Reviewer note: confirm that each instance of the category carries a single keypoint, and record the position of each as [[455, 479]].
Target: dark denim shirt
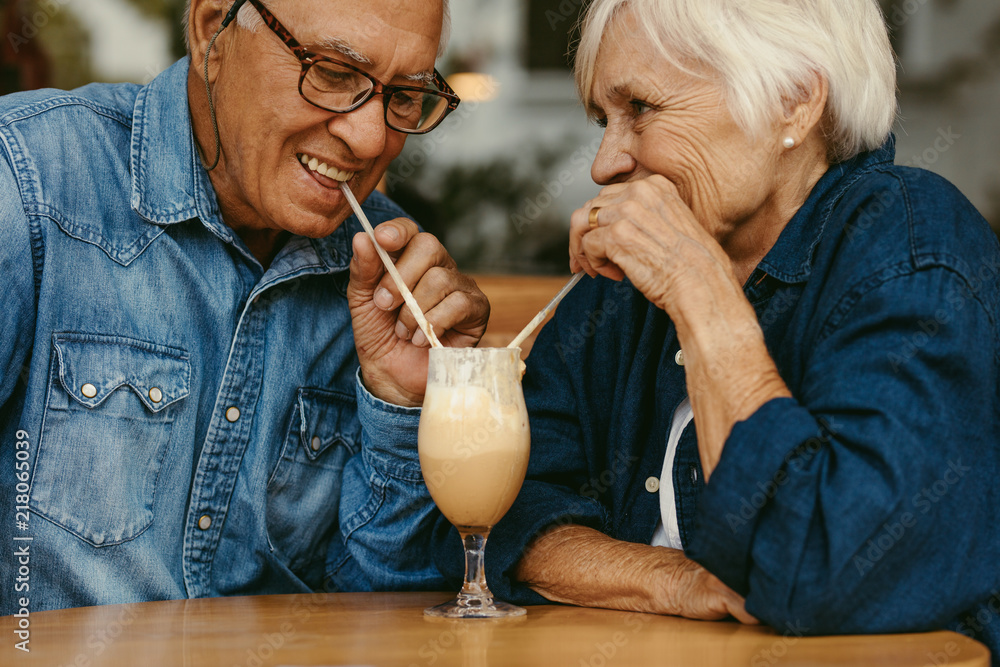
[[189, 423], [867, 503]]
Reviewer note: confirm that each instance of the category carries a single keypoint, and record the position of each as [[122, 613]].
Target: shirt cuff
[[751, 471], [389, 435]]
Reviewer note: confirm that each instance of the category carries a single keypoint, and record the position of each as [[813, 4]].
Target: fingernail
[[383, 299], [391, 232], [419, 339], [402, 332]]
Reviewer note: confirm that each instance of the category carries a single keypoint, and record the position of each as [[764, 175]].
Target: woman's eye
[[639, 107], [601, 121]]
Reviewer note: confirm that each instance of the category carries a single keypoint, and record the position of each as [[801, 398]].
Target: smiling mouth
[[321, 168]]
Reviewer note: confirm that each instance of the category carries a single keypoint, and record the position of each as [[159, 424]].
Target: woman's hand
[[697, 593], [645, 231], [581, 566]]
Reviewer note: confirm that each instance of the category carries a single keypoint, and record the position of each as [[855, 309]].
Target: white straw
[[390, 267], [540, 317]]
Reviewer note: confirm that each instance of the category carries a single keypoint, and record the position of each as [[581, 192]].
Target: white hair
[[248, 18], [767, 53]]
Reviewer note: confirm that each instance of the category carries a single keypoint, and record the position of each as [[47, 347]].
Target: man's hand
[[581, 566], [391, 349]]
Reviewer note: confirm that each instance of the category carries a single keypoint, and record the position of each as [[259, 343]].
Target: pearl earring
[[789, 142]]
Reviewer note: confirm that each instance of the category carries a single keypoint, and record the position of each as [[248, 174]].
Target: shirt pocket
[[303, 492], [106, 430]]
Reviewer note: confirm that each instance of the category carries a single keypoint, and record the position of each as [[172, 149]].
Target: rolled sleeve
[[819, 504], [750, 473], [389, 442]]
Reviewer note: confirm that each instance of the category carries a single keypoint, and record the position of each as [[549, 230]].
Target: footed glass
[[473, 445]]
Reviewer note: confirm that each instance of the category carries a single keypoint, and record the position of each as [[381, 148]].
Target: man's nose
[[362, 129]]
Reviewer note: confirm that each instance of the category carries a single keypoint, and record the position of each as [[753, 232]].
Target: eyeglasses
[[336, 86]]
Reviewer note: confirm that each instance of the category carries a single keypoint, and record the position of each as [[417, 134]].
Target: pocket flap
[[328, 417], [92, 366]]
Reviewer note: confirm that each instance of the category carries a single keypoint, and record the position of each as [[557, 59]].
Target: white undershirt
[[668, 533]]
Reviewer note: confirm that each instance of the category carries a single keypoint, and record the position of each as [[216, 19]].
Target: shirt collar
[[790, 259], [170, 185]]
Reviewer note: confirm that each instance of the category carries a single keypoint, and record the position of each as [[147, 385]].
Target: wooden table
[[390, 629]]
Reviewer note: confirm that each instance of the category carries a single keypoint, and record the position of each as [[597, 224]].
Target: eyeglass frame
[[307, 59]]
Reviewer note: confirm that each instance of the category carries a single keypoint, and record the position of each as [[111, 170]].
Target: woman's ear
[[806, 111]]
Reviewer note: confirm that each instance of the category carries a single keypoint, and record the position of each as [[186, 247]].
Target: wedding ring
[[593, 217]]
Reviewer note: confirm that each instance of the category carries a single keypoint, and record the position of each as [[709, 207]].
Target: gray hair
[[768, 52], [249, 19]]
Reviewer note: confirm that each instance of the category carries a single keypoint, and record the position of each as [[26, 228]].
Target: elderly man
[[208, 384]]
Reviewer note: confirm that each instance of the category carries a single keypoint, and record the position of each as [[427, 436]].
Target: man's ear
[[806, 111], [204, 20]]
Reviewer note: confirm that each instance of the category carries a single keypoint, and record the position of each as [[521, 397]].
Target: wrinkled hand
[[647, 233], [578, 565], [692, 591], [391, 348]]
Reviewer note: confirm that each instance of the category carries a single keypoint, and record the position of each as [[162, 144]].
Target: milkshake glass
[[473, 444]]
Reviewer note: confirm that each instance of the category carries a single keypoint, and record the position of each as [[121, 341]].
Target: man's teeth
[[322, 168]]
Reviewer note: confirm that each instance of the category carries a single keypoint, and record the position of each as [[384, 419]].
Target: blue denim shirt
[[868, 502], [194, 425]]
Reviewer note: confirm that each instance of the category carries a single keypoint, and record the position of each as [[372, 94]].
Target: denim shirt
[[194, 424], [868, 502]]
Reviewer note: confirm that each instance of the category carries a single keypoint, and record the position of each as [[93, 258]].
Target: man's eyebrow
[[426, 78], [344, 47]]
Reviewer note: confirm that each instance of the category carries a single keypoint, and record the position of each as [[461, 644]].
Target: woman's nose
[[613, 162]]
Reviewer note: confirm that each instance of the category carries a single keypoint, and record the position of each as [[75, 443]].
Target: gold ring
[[593, 217]]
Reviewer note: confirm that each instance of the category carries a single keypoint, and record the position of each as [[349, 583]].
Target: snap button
[[315, 443], [652, 484], [233, 413], [205, 522], [679, 358], [155, 395], [88, 390], [694, 475]]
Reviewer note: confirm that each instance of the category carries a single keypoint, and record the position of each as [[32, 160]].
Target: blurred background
[[498, 180]]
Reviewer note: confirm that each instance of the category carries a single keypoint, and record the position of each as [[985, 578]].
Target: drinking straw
[[390, 267], [540, 317]]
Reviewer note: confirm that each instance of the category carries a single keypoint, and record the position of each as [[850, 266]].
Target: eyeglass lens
[[338, 88]]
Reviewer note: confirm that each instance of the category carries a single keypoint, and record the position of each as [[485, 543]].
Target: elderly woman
[[779, 398]]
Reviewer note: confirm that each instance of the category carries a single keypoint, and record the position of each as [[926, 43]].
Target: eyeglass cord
[[211, 105]]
